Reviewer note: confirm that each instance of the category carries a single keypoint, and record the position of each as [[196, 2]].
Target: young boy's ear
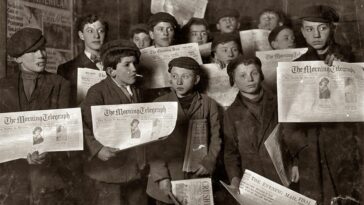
[[110, 71], [80, 35], [197, 79], [274, 44]]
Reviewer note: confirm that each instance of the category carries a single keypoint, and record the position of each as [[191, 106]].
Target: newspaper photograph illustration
[[311, 91], [257, 190], [86, 78], [44, 131], [154, 63], [270, 61], [218, 85], [182, 10], [129, 125], [273, 147], [254, 40], [193, 191], [197, 144]]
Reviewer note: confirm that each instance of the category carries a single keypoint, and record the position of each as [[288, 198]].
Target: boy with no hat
[[282, 37], [139, 34], [167, 156], [92, 31], [119, 176], [224, 48], [36, 179]]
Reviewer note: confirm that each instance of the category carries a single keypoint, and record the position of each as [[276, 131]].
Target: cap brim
[[37, 45], [316, 19]]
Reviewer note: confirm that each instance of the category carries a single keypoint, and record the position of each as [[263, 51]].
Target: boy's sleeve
[[93, 97], [209, 162], [231, 151]]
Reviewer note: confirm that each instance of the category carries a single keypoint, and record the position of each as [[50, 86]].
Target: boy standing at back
[[166, 164], [92, 31]]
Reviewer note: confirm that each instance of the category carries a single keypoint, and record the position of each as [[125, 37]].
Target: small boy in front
[[118, 176], [167, 157]]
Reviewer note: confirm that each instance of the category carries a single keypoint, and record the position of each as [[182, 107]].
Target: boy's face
[[183, 81], [226, 52], [227, 24], [142, 40], [268, 21], [33, 62], [247, 78], [125, 72], [285, 39], [93, 36], [198, 34], [162, 34], [317, 34]]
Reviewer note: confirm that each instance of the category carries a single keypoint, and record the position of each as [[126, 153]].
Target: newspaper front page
[[129, 125], [154, 62], [311, 91], [270, 61], [44, 131], [87, 77], [193, 191], [218, 85], [182, 10], [254, 40], [257, 190]]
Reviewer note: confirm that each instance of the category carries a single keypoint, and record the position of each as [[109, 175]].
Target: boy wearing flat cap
[[35, 180], [167, 156], [227, 20], [119, 176], [139, 34], [318, 29], [329, 157], [92, 31], [224, 48], [162, 29]]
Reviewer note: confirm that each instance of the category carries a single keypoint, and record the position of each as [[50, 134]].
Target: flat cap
[[120, 44], [224, 38], [24, 41], [227, 12], [320, 13], [161, 17], [184, 62], [138, 28]]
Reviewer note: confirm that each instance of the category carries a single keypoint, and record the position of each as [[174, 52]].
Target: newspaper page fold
[[193, 191], [312, 91], [257, 190], [44, 131], [87, 77], [129, 125]]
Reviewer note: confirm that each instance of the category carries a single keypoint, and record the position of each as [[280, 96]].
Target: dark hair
[[114, 57], [37, 128], [133, 121], [89, 19], [194, 21], [324, 79], [139, 28], [245, 61]]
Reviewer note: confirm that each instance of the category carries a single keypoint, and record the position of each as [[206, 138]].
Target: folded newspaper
[[129, 125], [43, 130], [193, 191], [87, 77], [257, 190], [197, 144]]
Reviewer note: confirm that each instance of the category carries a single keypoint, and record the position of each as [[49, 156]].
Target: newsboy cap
[[184, 62], [161, 17], [120, 44], [224, 38], [24, 41], [227, 12], [320, 13]]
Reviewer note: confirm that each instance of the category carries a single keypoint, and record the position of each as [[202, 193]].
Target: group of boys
[[127, 176]]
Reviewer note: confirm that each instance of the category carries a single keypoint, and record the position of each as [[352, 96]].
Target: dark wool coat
[[167, 156], [244, 138], [128, 164]]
